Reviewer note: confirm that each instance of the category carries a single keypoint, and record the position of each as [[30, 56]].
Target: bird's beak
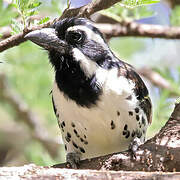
[[47, 39]]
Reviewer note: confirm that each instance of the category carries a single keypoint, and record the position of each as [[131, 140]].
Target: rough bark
[[32, 172]]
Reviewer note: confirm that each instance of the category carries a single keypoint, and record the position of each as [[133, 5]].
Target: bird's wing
[[140, 89]]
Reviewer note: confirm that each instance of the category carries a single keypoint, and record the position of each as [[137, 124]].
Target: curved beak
[[47, 39]]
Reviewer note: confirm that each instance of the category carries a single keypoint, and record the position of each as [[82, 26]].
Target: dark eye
[[74, 37]]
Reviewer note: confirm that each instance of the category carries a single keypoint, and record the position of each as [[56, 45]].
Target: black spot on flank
[[129, 97], [137, 110], [124, 133], [118, 113], [75, 131], [82, 140], [85, 128], [65, 147], [144, 132], [137, 117], [72, 124], [125, 127], [143, 121], [133, 133], [85, 136], [130, 113], [112, 125], [127, 134], [82, 149], [68, 135], [75, 145], [63, 123], [85, 142], [67, 139]]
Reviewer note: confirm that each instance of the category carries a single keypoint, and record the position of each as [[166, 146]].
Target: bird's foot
[[73, 158], [134, 145]]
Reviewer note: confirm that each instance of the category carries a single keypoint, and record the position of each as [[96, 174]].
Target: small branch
[[157, 80], [89, 9], [15, 40], [110, 30], [139, 30], [30, 118]]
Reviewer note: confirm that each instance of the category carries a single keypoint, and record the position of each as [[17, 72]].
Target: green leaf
[[16, 26], [34, 5], [119, 13], [43, 20], [175, 16]]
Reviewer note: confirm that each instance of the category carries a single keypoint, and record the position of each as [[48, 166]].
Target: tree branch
[[29, 172], [139, 30], [89, 9], [160, 153]]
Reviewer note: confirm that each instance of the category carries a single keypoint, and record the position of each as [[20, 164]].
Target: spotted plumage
[[101, 103]]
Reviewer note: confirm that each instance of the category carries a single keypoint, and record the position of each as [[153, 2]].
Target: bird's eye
[[74, 37]]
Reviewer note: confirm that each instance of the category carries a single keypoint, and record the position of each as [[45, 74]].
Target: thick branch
[[160, 153], [32, 172]]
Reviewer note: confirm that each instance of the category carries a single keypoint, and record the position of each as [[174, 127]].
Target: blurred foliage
[[131, 12], [175, 16], [31, 75], [7, 12]]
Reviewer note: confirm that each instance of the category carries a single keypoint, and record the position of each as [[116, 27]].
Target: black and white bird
[[101, 103]]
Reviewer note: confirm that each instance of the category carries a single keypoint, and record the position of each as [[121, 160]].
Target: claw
[[133, 146], [73, 159]]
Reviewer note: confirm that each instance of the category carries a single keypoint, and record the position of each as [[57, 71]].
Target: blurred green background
[[28, 75]]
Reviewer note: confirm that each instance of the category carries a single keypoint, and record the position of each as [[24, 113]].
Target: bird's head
[[74, 40]]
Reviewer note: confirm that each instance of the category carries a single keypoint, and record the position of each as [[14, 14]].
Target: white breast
[[100, 130]]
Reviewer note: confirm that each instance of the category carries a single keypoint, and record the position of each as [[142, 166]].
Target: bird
[[101, 103]]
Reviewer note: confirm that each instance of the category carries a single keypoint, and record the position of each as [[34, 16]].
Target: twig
[[157, 80], [89, 9], [31, 119]]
